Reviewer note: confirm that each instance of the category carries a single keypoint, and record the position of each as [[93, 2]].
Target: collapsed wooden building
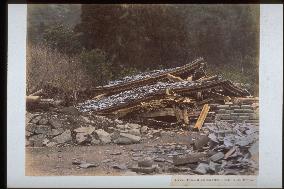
[[179, 95]]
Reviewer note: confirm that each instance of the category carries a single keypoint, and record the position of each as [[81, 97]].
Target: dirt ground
[[57, 161]]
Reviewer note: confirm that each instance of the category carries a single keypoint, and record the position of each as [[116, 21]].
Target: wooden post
[[185, 116], [202, 117]]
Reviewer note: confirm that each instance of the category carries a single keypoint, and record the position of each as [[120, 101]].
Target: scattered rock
[[144, 129], [246, 140], [213, 137], [95, 141], [43, 121], [103, 136], [178, 169], [45, 141], [85, 130], [42, 129], [146, 170], [107, 160], [253, 150], [119, 166], [146, 162], [28, 133], [217, 156], [85, 119], [51, 144], [201, 142], [70, 110], [133, 126], [55, 132], [215, 167], [123, 141], [134, 132], [77, 162], [29, 117], [87, 165], [122, 127], [156, 133], [55, 123], [82, 138], [185, 159], [115, 153], [64, 137], [202, 168], [159, 159], [36, 119], [133, 138], [31, 127]]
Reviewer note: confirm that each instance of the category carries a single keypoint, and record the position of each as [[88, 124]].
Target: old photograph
[[142, 89]]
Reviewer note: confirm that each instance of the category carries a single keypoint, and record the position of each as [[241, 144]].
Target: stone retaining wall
[[232, 113]]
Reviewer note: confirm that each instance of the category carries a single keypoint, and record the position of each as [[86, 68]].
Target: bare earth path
[[49, 161]]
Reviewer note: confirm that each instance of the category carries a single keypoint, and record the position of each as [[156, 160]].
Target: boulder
[[70, 110], [133, 138], [218, 156], [146, 170], [55, 132], [83, 138], [202, 168], [185, 159], [31, 127], [144, 129], [95, 141], [121, 127], [37, 140], [85, 130], [145, 162], [104, 136], [55, 123], [36, 119], [43, 121], [42, 129], [123, 141], [64, 137], [134, 132], [201, 142], [133, 126]]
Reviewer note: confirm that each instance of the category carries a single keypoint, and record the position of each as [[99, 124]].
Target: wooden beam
[[98, 97], [174, 78], [158, 113], [185, 116], [37, 93], [32, 99], [202, 117]]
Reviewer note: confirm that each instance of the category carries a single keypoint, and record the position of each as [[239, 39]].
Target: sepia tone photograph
[[132, 89]]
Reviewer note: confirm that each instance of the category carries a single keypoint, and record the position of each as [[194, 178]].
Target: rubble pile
[[211, 122]]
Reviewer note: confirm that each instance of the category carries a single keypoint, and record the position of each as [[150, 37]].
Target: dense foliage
[[116, 40]]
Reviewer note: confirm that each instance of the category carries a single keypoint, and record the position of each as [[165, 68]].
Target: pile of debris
[[172, 95], [219, 119]]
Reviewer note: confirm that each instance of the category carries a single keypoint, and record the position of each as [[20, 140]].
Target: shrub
[[63, 39], [48, 66], [97, 66]]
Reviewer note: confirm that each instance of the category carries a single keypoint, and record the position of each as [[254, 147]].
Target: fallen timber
[[196, 69], [147, 93]]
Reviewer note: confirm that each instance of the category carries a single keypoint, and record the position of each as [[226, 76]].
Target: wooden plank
[[37, 93], [202, 117], [163, 112], [98, 97], [32, 99], [177, 113], [185, 116], [174, 78]]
